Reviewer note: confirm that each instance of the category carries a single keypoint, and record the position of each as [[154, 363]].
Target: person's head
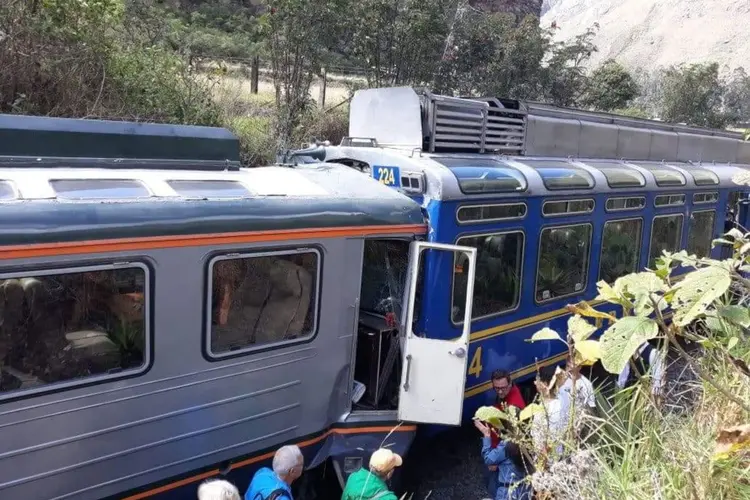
[[383, 462], [501, 383], [544, 378], [288, 463], [218, 489]]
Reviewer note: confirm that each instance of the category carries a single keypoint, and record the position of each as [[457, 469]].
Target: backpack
[[642, 365], [275, 495]]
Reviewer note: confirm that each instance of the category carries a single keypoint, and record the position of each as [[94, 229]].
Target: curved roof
[[102, 204]]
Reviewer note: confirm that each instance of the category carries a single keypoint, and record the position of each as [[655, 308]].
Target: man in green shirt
[[371, 484]]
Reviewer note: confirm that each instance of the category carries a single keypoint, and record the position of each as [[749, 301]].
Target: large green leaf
[[621, 340], [545, 334], [579, 328], [698, 292], [530, 410], [735, 314], [639, 283]]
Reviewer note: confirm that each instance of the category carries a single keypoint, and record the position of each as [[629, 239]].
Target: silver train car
[[167, 316]]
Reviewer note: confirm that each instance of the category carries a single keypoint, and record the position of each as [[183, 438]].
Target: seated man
[[371, 484], [268, 484]]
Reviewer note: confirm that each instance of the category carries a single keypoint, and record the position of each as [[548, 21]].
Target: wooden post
[[323, 82], [254, 74]]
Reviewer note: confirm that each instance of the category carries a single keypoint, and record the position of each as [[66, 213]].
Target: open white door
[[434, 373]]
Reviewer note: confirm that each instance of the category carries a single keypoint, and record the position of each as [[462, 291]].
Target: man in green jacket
[[371, 484]]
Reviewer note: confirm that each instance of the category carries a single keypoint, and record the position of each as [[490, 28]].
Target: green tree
[[737, 96], [693, 95], [610, 87]]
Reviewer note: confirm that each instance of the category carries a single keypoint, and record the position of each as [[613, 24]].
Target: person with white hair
[[218, 489], [288, 464]]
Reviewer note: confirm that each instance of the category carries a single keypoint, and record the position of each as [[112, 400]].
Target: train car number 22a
[[390, 176]]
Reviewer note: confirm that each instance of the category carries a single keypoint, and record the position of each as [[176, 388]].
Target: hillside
[[658, 32]]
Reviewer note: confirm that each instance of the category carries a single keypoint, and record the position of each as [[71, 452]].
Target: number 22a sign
[[390, 176]]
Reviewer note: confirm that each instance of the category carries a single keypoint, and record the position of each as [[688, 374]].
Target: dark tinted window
[[702, 176], [669, 200], [621, 249], [664, 174], [70, 326], [634, 203], [701, 233], [481, 175], [699, 198], [264, 299], [568, 207], [88, 189], [209, 189], [488, 213], [558, 175], [498, 278], [563, 261], [666, 235], [619, 175]]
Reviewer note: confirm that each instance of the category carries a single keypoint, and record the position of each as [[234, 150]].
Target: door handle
[[408, 369], [459, 353]]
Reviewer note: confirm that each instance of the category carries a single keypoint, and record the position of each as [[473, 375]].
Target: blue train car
[[553, 200]]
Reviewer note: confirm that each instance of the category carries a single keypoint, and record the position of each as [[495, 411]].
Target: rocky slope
[[658, 32]]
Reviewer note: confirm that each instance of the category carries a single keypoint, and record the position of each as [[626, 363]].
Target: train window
[[702, 176], [6, 191], [700, 198], [563, 261], [620, 204], [558, 175], [621, 248], [90, 189], [263, 299], [664, 175], [567, 207], [669, 200], [484, 175], [619, 175], [209, 189], [497, 286], [62, 327], [489, 213], [701, 233], [666, 235], [384, 270]]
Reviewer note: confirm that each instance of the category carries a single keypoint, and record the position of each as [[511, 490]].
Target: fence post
[[323, 83], [254, 74]]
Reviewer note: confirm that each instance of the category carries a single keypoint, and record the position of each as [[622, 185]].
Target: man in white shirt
[[648, 359], [548, 427], [584, 390]]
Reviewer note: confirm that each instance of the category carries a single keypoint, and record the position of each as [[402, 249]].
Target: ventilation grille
[[485, 125]]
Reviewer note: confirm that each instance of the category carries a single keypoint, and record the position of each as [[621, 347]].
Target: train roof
[[40, 205]]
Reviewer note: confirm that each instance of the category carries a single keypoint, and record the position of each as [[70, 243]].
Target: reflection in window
[[264, 299], [558, 175], [702, 176], [482, 175], [563, 261], [384, 269], [669, 200], [70, 326], [619, 175], [489, 213], [568, 207], [664, 174], [618, 204], [666, 235], [700, 198], [6, 191], [701, 233], [88, 189], [498, 278], [621, 249], [209, 189]]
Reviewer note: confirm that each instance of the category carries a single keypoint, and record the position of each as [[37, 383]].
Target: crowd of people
[[565, 395]]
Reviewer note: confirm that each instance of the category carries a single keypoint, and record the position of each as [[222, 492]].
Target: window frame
[[486, 221], [640, 249], [91, 380], [538, 260], [714, 194], [208, 302], [669, 197], [626, 209], [651, 233], [520, 280], [64, 196], [715, 212], [237, 182], [14, 190], [569, 214]]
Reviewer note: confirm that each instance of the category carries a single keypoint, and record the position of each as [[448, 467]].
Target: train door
[[432, 381]]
